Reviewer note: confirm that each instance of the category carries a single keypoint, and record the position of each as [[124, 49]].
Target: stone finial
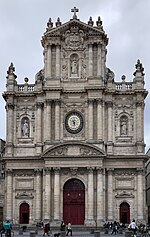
[[123, 78], [90, 22], [11, 71], [58, 22], [26, 80], [49, 24], [99, 22], [75, 10], [139, 69]]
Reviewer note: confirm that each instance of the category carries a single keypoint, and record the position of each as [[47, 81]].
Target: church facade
[[75, 138]]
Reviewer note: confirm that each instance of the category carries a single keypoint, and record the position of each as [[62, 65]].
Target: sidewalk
[[74, 234]]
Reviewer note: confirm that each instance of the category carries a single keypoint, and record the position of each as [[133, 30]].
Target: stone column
[[109, 104], [56, 194], [90, 118], [99, 120], [57, 120], [38, 199], [90, 60], [90, 197], [57, 61], [39, 126], [139, 122], [10, 128], [9, 194], [140, 194], [47, 196], [110, 197], [48, 120], [99, 73], [100, 197], [49, 62]]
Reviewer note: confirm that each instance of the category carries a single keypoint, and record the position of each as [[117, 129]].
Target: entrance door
[[74, 202], [124, 213], [24, 213]]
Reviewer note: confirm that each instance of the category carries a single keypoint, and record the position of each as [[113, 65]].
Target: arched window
[[124, 125]]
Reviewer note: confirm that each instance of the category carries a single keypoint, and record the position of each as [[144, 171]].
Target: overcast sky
[[23, 22]]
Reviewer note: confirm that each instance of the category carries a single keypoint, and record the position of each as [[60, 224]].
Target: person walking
[[114, 228], [8, 228], [69, 229], [133, 227]]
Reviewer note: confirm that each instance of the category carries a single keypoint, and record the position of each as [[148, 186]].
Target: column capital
[[110, 171], [37, 171], [90, 170], [9, 172], [90, 101], [140, 171], [39, 105], [56, 170], [109, 104], [99, 170], [48, 102], [47, 170], [57, 102]]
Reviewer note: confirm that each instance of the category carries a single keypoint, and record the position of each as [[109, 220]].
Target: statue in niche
[[25, 129], [74, 66], [123, 127]]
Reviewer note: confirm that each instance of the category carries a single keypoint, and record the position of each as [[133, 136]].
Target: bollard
[[128, 233], [63, 233], [32, 234], [96, 233]]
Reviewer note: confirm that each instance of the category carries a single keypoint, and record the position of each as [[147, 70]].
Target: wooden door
[[74, 202], [124, 213], [24, 213]]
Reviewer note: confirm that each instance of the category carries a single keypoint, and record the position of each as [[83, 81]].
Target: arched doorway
[[124, 213], [74, 202], [24, 213]]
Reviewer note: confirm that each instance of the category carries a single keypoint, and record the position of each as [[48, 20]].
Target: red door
[[124, 213], [24, 213], [74, 202]]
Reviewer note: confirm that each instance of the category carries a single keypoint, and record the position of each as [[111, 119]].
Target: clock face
[[74, 122]]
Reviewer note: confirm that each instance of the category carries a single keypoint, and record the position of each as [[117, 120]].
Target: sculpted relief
[[74, 38]]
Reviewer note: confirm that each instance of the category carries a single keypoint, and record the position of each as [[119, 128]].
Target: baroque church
[[75, 138]]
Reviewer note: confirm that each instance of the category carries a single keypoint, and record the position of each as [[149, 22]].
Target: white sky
[[23, 22]]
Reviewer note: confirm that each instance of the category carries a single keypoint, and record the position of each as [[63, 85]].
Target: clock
[[74, 122]]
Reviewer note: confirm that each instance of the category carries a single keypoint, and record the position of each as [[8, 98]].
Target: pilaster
[[110, 197], [56, 194], [38, 199], [9, 196], [90, 118]]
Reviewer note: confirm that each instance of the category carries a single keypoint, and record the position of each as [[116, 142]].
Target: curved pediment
[[73, 150]]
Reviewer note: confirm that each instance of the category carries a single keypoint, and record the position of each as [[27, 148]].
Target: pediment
[[75, 29], [73, 150]]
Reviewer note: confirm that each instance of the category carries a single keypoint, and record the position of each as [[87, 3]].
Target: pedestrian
[[63, 226], [133, 227], [114, 228], [46, 229], [8, 228], [2, 230], [69, 229]]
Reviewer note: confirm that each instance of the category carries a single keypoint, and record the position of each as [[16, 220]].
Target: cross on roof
[[75, 10]]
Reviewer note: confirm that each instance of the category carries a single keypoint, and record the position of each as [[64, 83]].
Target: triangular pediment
[[73, 150], [76, 29]]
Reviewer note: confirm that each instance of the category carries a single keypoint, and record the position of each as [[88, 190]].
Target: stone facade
[[148, 185], [75, 138]]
